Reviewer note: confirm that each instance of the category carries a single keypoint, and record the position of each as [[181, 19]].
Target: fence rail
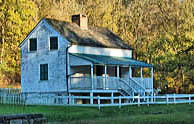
[[46, 99], [9, 90]]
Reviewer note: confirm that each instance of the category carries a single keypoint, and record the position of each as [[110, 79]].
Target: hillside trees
[[16, 19], [161, 30]]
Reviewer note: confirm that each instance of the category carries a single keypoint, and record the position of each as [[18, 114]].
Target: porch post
[[117, 84], [152, 71], [69, 81], [117, 71], [105, 72], [130, 72], [152, 78], [141, 73], [92, 75]]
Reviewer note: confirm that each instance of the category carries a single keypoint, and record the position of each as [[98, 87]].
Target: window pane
[[33, 44], [53, 43], [43, 71], [46, 72]]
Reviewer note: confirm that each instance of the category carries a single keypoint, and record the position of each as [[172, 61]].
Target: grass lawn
[[154, 114]]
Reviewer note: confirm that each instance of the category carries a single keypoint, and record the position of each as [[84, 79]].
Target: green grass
[[154, 114]]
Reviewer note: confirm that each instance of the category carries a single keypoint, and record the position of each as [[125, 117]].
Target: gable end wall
[[56, 60]]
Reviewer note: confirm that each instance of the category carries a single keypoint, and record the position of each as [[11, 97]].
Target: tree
[[16, 21]]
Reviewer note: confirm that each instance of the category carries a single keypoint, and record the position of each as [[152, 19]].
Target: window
[[43, 71], [33, 44], [53, 43]]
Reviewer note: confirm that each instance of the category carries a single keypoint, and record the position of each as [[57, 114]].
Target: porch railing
[[80, 83], [147, 83], [100, 82], [105, 83]]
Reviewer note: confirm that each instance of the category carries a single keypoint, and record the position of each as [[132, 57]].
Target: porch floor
[[94, 91]]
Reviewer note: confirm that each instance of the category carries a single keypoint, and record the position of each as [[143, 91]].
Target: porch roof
[[110, 60]]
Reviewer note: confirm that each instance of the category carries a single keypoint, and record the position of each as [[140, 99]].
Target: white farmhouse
[[63, 58]]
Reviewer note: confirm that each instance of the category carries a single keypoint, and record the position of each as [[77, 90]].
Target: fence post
[[73, 99], [13, 99], [167, 99], [17, 98], [174, 98], [138, 100], [98, 102], [152, 98], [112, 99], [4, 98], [91, 98], [120, 102], [21, 99], [189, 99], [69, 99], [25, 98], [144, 96], [1, 98], [148, 101]]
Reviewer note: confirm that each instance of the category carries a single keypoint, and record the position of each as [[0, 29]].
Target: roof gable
[[42, 23]]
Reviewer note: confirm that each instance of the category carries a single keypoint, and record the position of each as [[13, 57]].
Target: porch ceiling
[[109, 60]]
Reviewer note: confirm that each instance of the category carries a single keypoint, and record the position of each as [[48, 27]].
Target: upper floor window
[[43, 71], [53, 43], [33, 44]]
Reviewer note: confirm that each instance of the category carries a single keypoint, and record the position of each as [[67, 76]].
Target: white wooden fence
[[42, 99], [9, 90], [136, 100]]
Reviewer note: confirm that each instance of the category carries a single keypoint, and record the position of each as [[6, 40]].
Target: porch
[[108, 83], [106, 73]]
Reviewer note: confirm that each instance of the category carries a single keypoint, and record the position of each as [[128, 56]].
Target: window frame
[[44, 72], [29, 45], [51, 44]]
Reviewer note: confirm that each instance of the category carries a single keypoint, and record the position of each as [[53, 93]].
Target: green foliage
[[16, 20]]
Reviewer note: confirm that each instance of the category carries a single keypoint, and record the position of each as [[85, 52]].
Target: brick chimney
[[80, 20]]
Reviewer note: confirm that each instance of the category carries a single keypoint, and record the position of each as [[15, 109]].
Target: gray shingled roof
[[111, 60], [94, 36]]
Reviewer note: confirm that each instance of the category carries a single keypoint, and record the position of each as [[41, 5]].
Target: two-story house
[[64, 58]]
